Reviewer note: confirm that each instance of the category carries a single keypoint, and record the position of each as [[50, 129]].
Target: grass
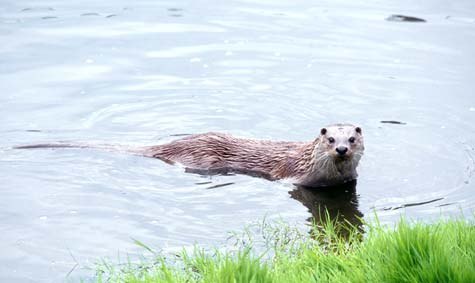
[[410, 252]]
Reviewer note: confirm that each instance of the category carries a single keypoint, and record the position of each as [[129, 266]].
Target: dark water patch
[[219, 185], [402, 18], [49, 17], [412, 204], [111, 16], [90, 14], [446, 204], [38, 9], [229, 171], [393, 122], [203, 183]]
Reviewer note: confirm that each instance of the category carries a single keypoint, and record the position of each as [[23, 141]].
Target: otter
[[329, 160]]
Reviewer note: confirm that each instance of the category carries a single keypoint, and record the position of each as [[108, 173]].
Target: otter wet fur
[[330, 159]]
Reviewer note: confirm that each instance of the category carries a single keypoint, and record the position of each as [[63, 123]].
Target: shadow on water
[[336, 206]]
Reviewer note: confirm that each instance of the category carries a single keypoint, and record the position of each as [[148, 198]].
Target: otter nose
[[341, 150]]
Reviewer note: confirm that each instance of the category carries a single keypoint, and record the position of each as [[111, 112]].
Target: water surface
[[142, 72]]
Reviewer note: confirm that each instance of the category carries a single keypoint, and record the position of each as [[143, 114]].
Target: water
[[138, 72]]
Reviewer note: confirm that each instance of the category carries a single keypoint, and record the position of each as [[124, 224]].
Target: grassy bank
[[411, 252]]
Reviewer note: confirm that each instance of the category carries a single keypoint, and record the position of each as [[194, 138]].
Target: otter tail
[[104, 147], [51, 145]]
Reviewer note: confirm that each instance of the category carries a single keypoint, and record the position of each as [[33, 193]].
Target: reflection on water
[[402, 18], [338, 204]]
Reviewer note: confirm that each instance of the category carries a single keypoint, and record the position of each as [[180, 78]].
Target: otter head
[[335, 156], [342, 142]]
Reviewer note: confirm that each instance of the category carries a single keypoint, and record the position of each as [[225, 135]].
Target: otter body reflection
[[338, 204]]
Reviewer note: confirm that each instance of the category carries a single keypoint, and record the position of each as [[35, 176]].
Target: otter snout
[[341, 150]]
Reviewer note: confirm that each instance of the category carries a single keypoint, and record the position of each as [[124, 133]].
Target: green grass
[[410, 252]]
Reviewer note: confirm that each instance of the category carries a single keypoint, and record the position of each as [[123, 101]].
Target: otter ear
[[358, 130], [323, 131]]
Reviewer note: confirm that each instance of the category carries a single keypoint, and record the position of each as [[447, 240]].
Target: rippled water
[[140, 72]]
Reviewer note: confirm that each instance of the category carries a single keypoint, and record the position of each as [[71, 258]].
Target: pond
[[145, 72]]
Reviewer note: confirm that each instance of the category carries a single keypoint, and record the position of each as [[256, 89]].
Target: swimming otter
[[330, 159]]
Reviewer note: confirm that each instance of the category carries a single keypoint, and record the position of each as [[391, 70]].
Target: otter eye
[[331, 140], [351, 140]]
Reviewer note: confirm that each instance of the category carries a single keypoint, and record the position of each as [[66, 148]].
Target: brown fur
[[309, 163], [313, 163]]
